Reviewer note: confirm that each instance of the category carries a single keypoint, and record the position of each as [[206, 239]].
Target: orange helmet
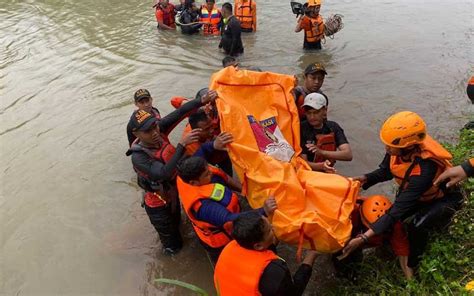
[[373, 208], [403, 129], [178, 101], [314, 2]]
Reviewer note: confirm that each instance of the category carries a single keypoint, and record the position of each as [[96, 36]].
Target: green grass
[[448, 263]]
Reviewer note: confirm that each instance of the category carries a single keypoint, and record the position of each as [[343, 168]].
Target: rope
[[333, 25]]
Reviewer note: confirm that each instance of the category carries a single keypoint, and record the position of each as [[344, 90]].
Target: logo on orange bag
[[269, 138]]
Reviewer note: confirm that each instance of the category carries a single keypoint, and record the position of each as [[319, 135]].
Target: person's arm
[[235, 31], [301, 23], [319, 166], [379, 175], [169, 122], [131, 137], [456, 174], [154, 169], [276, 277], [216, 214], [343, 152], [407, 201]]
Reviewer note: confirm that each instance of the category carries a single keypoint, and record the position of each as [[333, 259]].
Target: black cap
[[142, 120], [141, 94], [315, 67]]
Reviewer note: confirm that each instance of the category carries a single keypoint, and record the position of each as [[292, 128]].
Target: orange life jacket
[[325, 142], [213, 18], [155, 195], [238, 270], [168, 14], [190, 195], [316, 31], [244, 13], [430, 149]]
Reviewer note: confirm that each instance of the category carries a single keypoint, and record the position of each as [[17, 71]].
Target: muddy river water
[[71, 221]]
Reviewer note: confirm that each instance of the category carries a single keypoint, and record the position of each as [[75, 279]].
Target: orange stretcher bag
[[258, 109]]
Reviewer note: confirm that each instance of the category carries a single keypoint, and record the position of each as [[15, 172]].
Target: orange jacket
[[238, 270], [166, 15], [313, 28], [246, 13], [430, 149], [190, 197], [213, 18], [326, 143]]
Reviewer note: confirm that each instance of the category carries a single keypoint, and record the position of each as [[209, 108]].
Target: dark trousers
[[433, 216], [213, 253], [166, 220], [312, 45]]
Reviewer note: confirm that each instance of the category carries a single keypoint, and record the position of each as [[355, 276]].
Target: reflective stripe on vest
[[238, 270], [213, 18], [430, 149], [316, 31]]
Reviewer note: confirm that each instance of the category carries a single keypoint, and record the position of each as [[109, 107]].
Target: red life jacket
[[325, 142], [191, 197], [154, 197], [168, 14]]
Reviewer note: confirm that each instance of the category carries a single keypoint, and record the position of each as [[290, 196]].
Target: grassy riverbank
[[448, 263]]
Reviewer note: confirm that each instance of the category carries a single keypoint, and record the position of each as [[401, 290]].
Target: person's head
[[402, 133], [210, 4], [314, 77], [229, 61], [164, 3], [194, 171], [202, 121], [315, 109], [253, 231], [189, 4], [143, 100], [226, 10], [145, 127], [313, 7]]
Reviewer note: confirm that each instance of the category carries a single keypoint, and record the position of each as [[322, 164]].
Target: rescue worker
[[165, 13], [366, 212], [143, 101], [323, 141], [189, 18], [414, 160], [212, 17], [466, 169], [208, 200], [248, 265], [154, 159], [231, 41], [246, 12], [312, 24], [314, 75]]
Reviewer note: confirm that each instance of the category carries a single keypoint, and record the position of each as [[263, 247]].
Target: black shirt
[[276, 279], [406, 203], [231, 41], [309, 133]]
